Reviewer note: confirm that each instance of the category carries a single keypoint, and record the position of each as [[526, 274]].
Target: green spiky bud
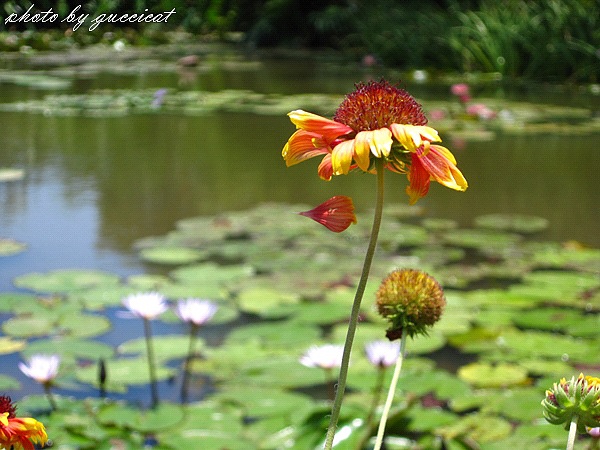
[[577, 398], [411, 300]]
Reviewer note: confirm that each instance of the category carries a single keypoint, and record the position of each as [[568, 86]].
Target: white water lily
[[148, 305], [382, 353], [195, 311], [324, 356], [42, 368]]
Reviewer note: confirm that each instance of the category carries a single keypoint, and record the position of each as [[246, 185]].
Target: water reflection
[[95, 185]]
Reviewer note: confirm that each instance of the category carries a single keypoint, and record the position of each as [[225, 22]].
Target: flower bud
[[577, 398], [411, 300]]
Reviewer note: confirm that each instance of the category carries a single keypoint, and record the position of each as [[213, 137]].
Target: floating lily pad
[[28, 326], [123, 372], [487, 375], [165, 347], [261, 300], [9, 345], [276, 335], [10, 301], [172, 255], [84, 325], [8, 383], [70, 346], [65, 280], [484, 240], [10, 247], [164, 416], [481, 428], [519, 223], [550, 319], [211, 274]]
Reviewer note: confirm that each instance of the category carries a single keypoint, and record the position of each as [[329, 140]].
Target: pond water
[[94, 185]]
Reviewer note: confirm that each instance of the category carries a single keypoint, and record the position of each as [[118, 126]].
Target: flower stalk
[[151, 368], [392, 390], [188, 360], [572, 433], [360, 290]]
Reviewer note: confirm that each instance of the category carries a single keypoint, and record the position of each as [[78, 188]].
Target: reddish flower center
[[7, 406], [377, 105]]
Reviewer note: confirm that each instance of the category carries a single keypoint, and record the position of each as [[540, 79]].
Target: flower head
[[382, 353], [195, 311], [410, 299], [147, 305], [337, 213], [19, 433], [462, 91], [376, 121], [325, 356], [579, 397], [42, 368]]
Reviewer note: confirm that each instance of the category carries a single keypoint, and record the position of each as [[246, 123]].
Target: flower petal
[[413, 136], [325, 169], [341, 157], [303, 145], [336, 214], [362, 150], [439, 162], [381, 143], [418, 178], [329, 129]]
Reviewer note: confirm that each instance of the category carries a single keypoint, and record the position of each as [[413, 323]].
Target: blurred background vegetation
[[552, 40]]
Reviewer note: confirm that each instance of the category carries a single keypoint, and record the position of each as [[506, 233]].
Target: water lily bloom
[[195, 311], [148, 305], [376, 121], [337, 213], [42, 368], [326, 356], [382, 353], [19, 433]]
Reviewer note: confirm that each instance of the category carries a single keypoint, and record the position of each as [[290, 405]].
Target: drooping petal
[[21, 432], [329, 129], [336, 214], [341, 157], [418, 178], [303, 145], [325, 169], [413, 136], [440, 164]]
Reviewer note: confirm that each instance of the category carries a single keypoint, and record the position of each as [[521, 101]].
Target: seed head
[[410, 299]]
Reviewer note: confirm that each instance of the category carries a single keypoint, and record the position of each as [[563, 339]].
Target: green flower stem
[[391, 391], [375, 401], [360, 290], [572, 432], [186, 368], [50, 397], [153, 385]]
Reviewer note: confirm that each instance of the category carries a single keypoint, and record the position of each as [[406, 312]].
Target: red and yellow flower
[[376, 121], [19, 433]]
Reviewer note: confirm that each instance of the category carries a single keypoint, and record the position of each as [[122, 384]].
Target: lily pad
[[64, 281], [172, 255], [165, 347], [70, 346], [519, 223], [285, 334], [487, 375], [10, 247], [123, 372], [9, 345], [164, 416], [8, 383], [28, 326], [262, 300]]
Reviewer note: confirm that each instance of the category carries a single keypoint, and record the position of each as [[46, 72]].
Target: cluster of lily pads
[[521, 314]]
